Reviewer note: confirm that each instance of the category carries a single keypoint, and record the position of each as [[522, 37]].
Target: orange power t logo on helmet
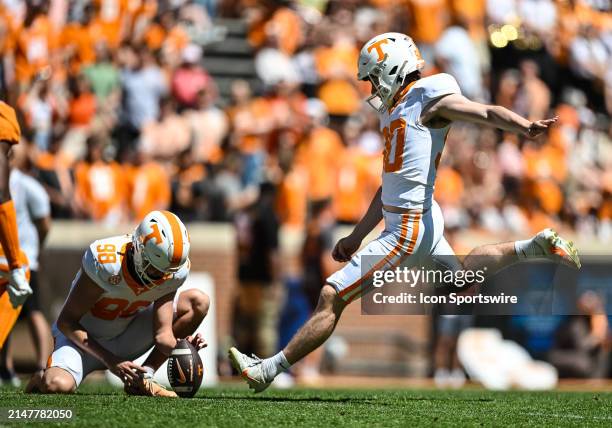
[[154, 235], [379, 51]]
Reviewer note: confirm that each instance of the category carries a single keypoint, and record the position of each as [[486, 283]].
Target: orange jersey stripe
[[177, 254], [409, 251], [389, 256], [398, 247]]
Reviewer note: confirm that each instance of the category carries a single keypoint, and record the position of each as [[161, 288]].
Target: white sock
[[274, 365], [527, 248]]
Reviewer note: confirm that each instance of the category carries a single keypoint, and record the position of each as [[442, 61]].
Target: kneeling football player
[[122, 301]]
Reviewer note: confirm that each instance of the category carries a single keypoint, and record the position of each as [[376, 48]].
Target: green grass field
[[101, 406]]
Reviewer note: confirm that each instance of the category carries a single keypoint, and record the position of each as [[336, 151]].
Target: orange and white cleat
[[250, 368], [554, 247]]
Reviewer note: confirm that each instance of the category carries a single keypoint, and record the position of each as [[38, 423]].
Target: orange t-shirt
[[101, 188], [6, 30], [149, 189], [338, 60], [34, 47], [428, 19], [449, 186], [358, 179], [550, 196], [320, 155], [544, 162], [82, 40], [292, 198], [340, 97], [82, 110], [472, 13], [9, 127], [111, 21], [285, 25], [605, 211]]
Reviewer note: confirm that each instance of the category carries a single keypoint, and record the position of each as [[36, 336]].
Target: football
[[185, 369]]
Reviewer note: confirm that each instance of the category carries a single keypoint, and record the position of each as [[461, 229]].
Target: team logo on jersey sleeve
[[114, 280]]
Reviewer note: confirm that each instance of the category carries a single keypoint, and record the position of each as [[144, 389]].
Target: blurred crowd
[[121, 116]]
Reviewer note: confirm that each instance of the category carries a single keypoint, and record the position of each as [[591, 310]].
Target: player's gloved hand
[[345, 248], [18, 288], [127, 371], [197, 341]]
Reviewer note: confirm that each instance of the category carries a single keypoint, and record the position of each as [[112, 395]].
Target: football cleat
[[250, 368], [553, 246], [149, 388]]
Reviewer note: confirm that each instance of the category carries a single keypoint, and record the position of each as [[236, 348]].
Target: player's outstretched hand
[[197, 341], [127, 371], [538, 127], [345, 248]]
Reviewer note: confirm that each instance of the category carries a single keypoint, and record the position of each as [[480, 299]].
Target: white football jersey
[[106, 264], [412, 150]]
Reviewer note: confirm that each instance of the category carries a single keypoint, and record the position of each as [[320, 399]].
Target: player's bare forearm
[[372, 217], [502, 118], [165, 341], [73, 331], [162, 324], [83, 296], [457, 107]]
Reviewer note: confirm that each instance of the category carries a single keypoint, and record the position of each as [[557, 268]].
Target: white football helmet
[[385, 61], [160, 240]]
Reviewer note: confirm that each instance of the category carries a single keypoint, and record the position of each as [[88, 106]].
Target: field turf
[[101, 406]]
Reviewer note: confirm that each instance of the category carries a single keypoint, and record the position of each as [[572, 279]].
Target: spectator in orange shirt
[[320, 152], [164, 34], [292, 199], [34, 43], [78, 39], [100, 185], [428, 18], [359, 175], [83, 104], [148, 186], [279, 22], [111, 18]]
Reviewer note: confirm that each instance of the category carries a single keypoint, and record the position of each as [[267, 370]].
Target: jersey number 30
[[397, 129]]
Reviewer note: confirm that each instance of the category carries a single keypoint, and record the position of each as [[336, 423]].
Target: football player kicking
[[415, 117], [123, 301]]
